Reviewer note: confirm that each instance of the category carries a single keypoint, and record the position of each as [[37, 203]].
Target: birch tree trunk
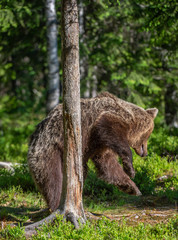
[[71, 204], [83, 56], [171, 105], [53, 62]]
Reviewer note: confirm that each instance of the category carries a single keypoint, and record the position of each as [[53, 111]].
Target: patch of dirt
[[149, 210], [135, 216]]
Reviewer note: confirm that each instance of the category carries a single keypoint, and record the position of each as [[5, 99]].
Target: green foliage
[[163, 141], [161, 161], [22, 54], [130, 50], [160, 16], [19, 177], [101, 230], [149, 170], [15, 130], [15, 200], [130, 59], [14, 233]]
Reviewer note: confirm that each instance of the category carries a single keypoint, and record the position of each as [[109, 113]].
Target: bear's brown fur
[[110, 126]]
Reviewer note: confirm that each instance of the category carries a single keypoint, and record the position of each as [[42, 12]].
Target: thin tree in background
[[53, 62], [71, 204], [83, 56]]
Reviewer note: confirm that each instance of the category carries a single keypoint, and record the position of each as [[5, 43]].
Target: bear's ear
[[152, 111]]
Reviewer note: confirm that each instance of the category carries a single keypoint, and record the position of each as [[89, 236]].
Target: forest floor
[[149, 210]]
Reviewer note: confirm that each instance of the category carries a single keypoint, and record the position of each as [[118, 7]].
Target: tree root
[[72, 218], [32, 228], [75, 220]]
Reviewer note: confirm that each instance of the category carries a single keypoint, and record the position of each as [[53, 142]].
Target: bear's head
[[143, 129]]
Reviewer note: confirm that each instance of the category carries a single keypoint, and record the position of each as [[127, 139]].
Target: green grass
[[102, 229], [148, 172], [20, 177]]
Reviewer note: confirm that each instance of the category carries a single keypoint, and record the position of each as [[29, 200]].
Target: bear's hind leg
[[110, 171], [47, 172], [54, 181]]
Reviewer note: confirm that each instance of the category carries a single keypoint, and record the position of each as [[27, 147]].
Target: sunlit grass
[[101, 230]]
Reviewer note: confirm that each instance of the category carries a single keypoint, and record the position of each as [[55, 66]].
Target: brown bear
[[110, 126]]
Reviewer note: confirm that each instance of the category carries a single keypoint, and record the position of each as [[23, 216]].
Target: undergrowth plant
[[15, 131], [99, 230], [20, 176]]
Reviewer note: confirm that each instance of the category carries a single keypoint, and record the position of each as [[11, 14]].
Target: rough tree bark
[[71, 202], [53, 62]]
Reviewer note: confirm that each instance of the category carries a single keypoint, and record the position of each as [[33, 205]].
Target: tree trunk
[[53, 62], [71, 202], [94, 83], [171, 105]]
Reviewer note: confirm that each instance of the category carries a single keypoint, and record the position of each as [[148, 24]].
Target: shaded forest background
[[127, 48]]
